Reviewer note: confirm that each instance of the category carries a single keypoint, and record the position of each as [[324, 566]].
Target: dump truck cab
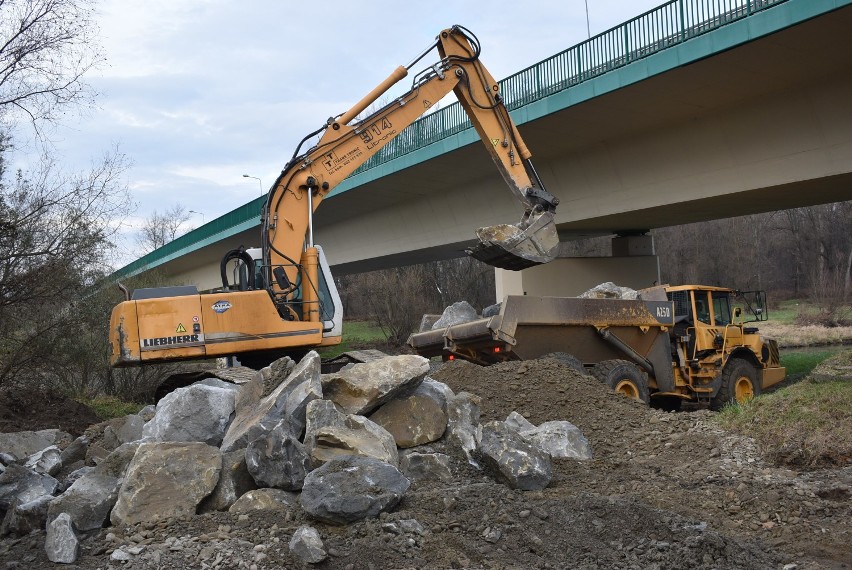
[[715, 353]]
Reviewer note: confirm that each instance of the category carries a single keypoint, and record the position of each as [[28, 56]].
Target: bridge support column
[[632, 264]]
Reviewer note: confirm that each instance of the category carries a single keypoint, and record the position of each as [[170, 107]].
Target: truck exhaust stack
[[532, 242]]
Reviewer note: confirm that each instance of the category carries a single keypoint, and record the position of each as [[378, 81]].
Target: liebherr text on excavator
[[286, 299]]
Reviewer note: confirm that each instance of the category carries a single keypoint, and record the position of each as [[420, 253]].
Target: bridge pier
[[633, 264]]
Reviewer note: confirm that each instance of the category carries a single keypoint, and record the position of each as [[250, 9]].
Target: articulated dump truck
[[674, 344]]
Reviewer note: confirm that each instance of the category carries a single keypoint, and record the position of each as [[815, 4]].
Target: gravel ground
[[663, 490]]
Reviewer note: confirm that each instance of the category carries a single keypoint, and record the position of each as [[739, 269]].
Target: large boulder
[[195, 413], [463, 422], [23, 518], [61, 543], [48, 461], [132, 430], [306, 543], [610, 290], [277, 459], [363, 387], [88, 501], [234, 481], [419, 466], [24, 485], [166, 480], [265, 500], [115, 464], [351, 488], [513, 459], [455, 314], [559, 439], [23, 444], [75, 451], [331, 433], [416, 419], [257, 415]]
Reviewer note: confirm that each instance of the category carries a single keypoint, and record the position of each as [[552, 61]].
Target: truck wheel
[[624, 377], [739, 383], [568, 360]]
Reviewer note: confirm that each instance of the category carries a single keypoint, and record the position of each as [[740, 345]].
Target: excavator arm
[[346, 142]]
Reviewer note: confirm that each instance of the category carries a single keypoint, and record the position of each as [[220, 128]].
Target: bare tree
[[46, 47], [54, 231], [160, 229]]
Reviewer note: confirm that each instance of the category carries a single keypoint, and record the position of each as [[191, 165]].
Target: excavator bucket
[[532, 242]]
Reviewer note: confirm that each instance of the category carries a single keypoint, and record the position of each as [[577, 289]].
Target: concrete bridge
[[696, 110]]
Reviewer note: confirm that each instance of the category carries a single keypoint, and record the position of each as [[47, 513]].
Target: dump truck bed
[[528, 327]]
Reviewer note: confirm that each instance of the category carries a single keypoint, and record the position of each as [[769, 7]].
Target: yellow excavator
[[285, 299]]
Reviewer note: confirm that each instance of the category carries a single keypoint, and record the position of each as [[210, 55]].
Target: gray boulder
[[22, 444], [25, 485], [76, 451], [457, 313], [307, 545], [348, 489], [23, 518], [61, 543], [115, 464], [331, 434], [132, 429], [265, 500], [88, 501], [278, 459], [166, 480], [559, 439], [425, 466], [518, 422], [257, 415], [492, 310], [463, 422], [147, 413], [610, 290], [513, 459], [48, 461], [366, 386], [195, 413], [234, 481], [416, 419]]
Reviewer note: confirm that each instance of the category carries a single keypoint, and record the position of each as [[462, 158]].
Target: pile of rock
[[341, 447]]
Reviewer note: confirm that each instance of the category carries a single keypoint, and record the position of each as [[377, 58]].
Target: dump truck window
[[702, 309], [721, 309]]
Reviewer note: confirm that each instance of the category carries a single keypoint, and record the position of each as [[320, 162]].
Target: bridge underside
[[765, 126]]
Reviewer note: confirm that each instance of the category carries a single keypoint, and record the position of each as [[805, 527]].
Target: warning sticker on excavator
[[180, 328], [495, 142]]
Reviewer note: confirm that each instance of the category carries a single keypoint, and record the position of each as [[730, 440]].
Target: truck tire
[[624, 377], [568, 360], [740, 383]]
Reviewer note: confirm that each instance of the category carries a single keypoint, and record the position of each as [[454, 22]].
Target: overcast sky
[[199, 92]]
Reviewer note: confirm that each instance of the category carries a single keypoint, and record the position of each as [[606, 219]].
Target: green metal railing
[[671, 23]]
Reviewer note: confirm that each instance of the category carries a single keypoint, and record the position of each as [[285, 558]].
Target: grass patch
[[808, 424], [108, 407], [800, 363], [357, 335]]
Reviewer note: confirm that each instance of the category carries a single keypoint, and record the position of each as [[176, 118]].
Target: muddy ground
[[664, 490]]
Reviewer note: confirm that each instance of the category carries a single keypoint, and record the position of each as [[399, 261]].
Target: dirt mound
[[33, 411]]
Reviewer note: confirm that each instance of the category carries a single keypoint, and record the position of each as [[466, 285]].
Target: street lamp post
[[200, 214], [259, 182]]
